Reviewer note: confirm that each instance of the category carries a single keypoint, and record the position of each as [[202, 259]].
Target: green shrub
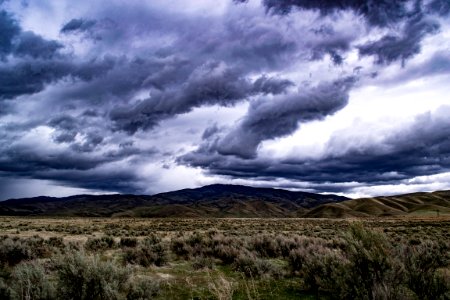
[[252, 266], [265, 246], [143, 289], [38, 247], [5, 291], [56, 242], [99, 244], [146, 255], [422, 263], [296, 260], [13, 251], [151, 239], [81, 277], [371, 264], [127, 242], [139, 256], [227, 253], [180, 248], [202, 262], [29, 281], [321, 269]]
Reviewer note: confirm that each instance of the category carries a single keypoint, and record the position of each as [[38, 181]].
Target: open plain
[[230, 258]]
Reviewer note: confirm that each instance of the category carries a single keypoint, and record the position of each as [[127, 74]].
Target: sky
[[349, 97]]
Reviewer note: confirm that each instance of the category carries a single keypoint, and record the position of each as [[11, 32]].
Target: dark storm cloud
[[103, 100], [400, 47], [29, 77], [417, 18], [119, 180], [210, 84], [77, 166], [423, 148], [35, 46], [437, 64], [9, 29], [330, 42], [278, 117], [379, 13], [441, 7], [37, 62], [78, 25], [210, 131], [16, 42], [24, 159], [270, 85]]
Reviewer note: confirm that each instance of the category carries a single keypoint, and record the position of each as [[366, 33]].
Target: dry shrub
[[142, 288], [226, 253], [87, 277], [221, 288], [371, 265], [202, 262], [321, 268], [128, 242], [148, 253], [5, 291], [100, 244], [180, 248], [252, 266], [265, 246], [13, 251], [29, 281], [423, 275]]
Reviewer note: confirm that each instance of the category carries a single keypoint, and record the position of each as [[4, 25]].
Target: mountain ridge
[[219, 200], [211, 200]]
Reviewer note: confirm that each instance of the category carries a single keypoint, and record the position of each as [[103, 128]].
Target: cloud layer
[[125, 97]]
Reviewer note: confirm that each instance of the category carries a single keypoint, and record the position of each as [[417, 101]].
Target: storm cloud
[[137, 97], [78, 25], [280, 116], [423, 148]]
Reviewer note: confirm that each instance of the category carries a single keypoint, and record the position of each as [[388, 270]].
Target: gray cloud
[[379, 13], [78, 25], [271, 85], [441, 7], [419, 21], [9, 29], [332, 43], [272, 118], [423, 148], [16, 42], [213, 83], [400, 47], [142, 67], [35, 46], [29, 77]]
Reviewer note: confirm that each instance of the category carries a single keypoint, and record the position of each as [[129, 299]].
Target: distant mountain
[[209, 201], [230, 201], [415, 204]]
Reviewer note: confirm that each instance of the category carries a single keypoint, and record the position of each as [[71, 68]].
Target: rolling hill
[[208, 201], [231, 201], [415, 204]]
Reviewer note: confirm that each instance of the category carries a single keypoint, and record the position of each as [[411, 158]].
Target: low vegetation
[[232, 259]]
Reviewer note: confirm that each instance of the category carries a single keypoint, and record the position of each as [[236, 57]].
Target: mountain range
[[229, 201]]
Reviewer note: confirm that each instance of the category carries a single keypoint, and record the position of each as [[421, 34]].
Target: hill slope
[[416, 204], [208, 201]]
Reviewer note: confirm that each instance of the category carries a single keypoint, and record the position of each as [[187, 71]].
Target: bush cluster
[[150, 251], [357, 264], [100, 244]]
